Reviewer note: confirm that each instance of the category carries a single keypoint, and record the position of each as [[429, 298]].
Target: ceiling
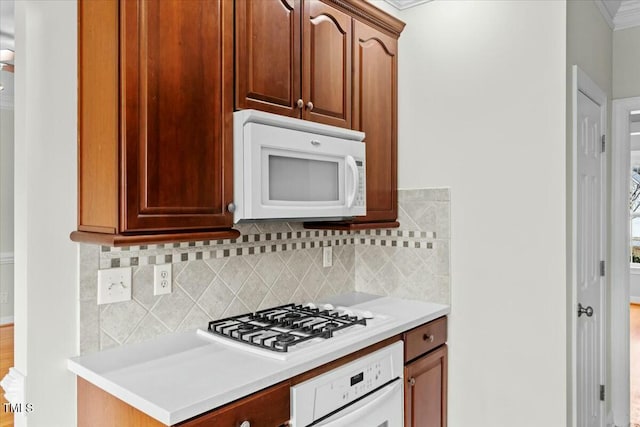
[[620, 14]]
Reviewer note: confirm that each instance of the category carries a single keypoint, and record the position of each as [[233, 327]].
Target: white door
[[590, 253]]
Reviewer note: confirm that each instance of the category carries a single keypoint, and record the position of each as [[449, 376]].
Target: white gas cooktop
[[292, 330]]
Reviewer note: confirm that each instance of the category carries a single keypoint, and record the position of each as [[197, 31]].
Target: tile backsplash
[[411, 272], [268, 265]]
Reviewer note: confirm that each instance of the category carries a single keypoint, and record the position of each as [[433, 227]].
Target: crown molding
[[369, 12], [405, 4], [628, 15], [606, 13]]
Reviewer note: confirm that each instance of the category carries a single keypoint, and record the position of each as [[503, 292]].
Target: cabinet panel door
[[375, 113], [268, 408], [176, 88], [268, 55], [326, 71], [426, 390]]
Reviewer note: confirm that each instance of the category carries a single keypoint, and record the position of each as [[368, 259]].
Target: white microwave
[[286, 168]]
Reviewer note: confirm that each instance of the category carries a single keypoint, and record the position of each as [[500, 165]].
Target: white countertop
[[179, 376]]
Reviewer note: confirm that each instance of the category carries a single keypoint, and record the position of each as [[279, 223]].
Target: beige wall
[[481, 110], [6, 215], [589, 42], [6, 180], [46, 292], [626, 63]]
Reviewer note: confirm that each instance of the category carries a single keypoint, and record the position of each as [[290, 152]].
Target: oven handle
[[351, 163], [353, 412]]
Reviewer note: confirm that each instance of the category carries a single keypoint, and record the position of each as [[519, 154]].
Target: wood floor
[[6, 361], [635, 364]]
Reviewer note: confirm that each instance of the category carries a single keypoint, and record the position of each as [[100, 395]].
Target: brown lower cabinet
[[269, 407], [425, 375], [266, 408], [425, 390]]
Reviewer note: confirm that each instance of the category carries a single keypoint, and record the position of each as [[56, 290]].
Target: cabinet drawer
[[267, 408], [424, 338]]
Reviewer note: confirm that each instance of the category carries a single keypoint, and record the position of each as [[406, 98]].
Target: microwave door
[[301, 180], [297, 175], [299, 186], [289, 174]]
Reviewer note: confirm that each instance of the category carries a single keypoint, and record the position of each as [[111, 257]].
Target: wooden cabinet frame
[[121, 54], [425, 390]]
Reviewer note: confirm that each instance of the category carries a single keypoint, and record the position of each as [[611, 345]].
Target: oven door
[[382, 408]]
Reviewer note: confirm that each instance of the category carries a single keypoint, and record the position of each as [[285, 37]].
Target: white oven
[[286, 168], [367, 392]]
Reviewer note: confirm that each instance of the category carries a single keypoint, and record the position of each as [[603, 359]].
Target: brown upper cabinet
[[293, 58], [156, 83], [332, 62], [155, 130], [375, 113]]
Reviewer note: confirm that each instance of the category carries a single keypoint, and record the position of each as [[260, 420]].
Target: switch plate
[[327, 256], [114, 285], [162, 279]]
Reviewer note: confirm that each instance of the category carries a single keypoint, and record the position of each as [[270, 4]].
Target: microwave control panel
[[360, 195]]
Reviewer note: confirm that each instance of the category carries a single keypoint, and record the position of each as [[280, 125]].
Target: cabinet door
[[268, 56], [266, 408], [375, 113], [177, 71], [326, 64], [425, 401]]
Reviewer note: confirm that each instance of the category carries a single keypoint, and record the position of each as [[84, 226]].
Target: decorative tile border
[[269, 264], [259, 243]]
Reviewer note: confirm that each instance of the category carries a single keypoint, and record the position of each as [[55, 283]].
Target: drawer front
[[267, 408], [424, 338]]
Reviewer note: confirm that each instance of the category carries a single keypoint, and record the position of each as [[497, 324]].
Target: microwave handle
[[351, 163]]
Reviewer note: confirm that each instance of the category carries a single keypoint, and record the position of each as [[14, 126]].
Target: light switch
[[114, 285]]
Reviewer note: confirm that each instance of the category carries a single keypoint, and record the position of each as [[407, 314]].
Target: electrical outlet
[[114, 285], [327, 256], [162, 279]]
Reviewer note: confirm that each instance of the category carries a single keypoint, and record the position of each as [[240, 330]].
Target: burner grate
[[280, 328]]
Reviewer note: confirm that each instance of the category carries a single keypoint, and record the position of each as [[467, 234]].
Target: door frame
[[620, 269], [581, 82]]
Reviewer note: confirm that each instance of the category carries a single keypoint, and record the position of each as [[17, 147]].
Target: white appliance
[[367, 392], [286, 168], [294, 331]]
